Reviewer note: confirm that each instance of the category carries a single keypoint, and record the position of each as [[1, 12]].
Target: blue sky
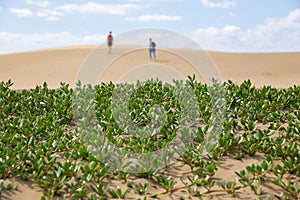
[[221, 25]]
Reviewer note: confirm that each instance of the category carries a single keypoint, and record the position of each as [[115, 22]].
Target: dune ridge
[[55, 65]]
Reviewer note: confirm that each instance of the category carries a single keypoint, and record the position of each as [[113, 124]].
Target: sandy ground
[[127, 64], [89, 63]]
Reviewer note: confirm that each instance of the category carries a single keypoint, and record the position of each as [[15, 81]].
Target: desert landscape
[[28, 69], [252, 73]]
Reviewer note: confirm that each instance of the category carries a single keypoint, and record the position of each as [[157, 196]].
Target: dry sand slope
[[28, 69]]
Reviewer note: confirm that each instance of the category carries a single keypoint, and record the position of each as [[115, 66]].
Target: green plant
[[80, 193], [99, 190], [141, 189], [166, 183], [118, 193]]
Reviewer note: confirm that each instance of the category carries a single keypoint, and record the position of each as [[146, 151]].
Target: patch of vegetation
[[40, 141]]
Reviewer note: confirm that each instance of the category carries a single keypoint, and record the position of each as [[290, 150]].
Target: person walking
[[109, 42], [152, 49]]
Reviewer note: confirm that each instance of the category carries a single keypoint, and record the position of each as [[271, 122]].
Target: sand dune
[[275, 69], [28, 69]]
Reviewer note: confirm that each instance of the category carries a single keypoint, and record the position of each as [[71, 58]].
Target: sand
[[28, 69]]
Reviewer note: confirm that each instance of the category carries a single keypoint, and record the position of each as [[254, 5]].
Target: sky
[[220, 25]]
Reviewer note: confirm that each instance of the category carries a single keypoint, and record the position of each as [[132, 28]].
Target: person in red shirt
[[109, 41]]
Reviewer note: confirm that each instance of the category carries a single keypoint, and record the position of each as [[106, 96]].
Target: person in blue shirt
[[152, 49]]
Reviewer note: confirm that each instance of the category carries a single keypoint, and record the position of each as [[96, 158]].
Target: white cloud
[[222, 4], [230, 14], [39, 3], [294, 15], [144, 18], [96, 8], [50, 15], [276, 34], [16, 42], [87, 8], [23, 12]]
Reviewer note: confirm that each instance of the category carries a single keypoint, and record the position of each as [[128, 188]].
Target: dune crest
[[28, 69]]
